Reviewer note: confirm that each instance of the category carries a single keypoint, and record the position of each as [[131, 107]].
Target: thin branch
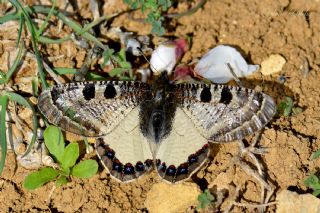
[[252, 205], [187, 13]]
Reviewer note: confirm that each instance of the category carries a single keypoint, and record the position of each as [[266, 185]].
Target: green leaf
[[35, 86], [117, 71], [285, 107], [61, 181], [38, 178], [65, 172], [289, 105], [165, 4], [70, 155], [106, 55], [312, 182], [315, 155], [54, 141], [205, 199], [157, 28], [85, 169], [316, 192]]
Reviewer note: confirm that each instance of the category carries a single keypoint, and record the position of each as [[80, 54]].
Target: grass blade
[[3, 103], [72, 24], [89, 76], [15, 64], [22, 101], [9, 17], [34, 42], [45, 23]]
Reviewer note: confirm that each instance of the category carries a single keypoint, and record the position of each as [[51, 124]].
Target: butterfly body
[[164, 125]]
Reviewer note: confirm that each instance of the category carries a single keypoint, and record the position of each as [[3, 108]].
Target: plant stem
[[187, 13]]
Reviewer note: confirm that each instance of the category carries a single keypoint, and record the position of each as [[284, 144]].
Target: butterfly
[[166, 126]]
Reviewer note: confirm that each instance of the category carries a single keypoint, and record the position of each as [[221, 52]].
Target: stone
[[273, 64], [170, 198], [289, 201]]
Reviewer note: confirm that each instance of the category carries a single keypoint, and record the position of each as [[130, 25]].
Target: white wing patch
[[175, 150], [129, 147]]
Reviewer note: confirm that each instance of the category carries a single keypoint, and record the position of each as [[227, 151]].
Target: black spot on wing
[[117, 165], [183, 169], [205, 95], [121, 171], [128, 169], [54, 94], [88, 91], [258, 96], [163, 167], [176, 173], [110, 91], [226, 96], [171, 171], [139, 166]]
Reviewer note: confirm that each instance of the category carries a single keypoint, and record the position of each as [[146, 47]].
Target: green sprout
[[156, 8], [205, 199], [314, 183], [66, 157], [123, 66], [286, 108]]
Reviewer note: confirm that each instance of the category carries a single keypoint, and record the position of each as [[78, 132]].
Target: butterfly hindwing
[[183, 151], [91, 108], [223, 113], [125, 152]]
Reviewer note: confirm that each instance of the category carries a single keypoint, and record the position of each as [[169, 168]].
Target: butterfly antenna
[[145, 58], [234, 75]]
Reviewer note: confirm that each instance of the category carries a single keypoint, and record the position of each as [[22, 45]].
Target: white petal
[[163, 58], [213, 65]]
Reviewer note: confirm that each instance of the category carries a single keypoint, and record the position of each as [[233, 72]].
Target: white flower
[[166, 55], [214, 65]]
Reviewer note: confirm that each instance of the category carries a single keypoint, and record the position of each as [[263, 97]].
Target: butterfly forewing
[[91, 108], [222, 113]]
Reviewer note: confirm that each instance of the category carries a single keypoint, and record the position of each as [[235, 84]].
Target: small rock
[[293, 202], [167, 198], [273, 64]]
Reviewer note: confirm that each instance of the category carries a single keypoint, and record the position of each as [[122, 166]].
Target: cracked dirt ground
[[259, 29]]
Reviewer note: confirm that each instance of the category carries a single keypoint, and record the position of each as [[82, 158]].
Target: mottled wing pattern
[[224, 113], [125, 152], [91, 108], [183, 152], [111, 110]]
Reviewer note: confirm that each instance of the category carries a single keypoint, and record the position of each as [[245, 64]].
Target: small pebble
[[170, 198], [273, 64]]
